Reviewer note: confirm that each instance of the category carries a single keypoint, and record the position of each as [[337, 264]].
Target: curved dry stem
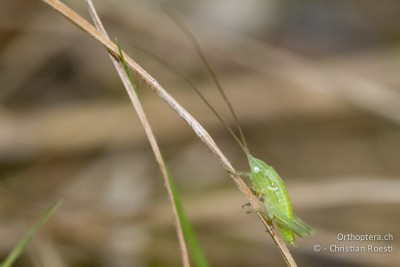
[[149, 132], [197, 128]]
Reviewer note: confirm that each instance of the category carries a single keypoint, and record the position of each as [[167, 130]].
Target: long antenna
[[202, 56], [191, 84]]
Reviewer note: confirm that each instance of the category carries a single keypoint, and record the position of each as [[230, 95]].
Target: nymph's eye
[[256, 169]]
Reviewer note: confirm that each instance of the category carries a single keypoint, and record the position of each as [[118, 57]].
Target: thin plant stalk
[[21, 245], [197, 128], [193, 244], [130, 88]]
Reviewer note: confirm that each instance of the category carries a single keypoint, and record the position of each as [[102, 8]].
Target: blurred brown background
[[316, 85]]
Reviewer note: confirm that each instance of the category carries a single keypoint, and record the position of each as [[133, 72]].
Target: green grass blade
[[194, 248], [126, 68], [193, 244], [21, 246]]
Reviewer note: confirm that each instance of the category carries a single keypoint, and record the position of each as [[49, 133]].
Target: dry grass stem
[[149, 132], [197, 128]]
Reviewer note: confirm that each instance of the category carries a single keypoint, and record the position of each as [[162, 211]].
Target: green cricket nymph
[[266, 183]]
